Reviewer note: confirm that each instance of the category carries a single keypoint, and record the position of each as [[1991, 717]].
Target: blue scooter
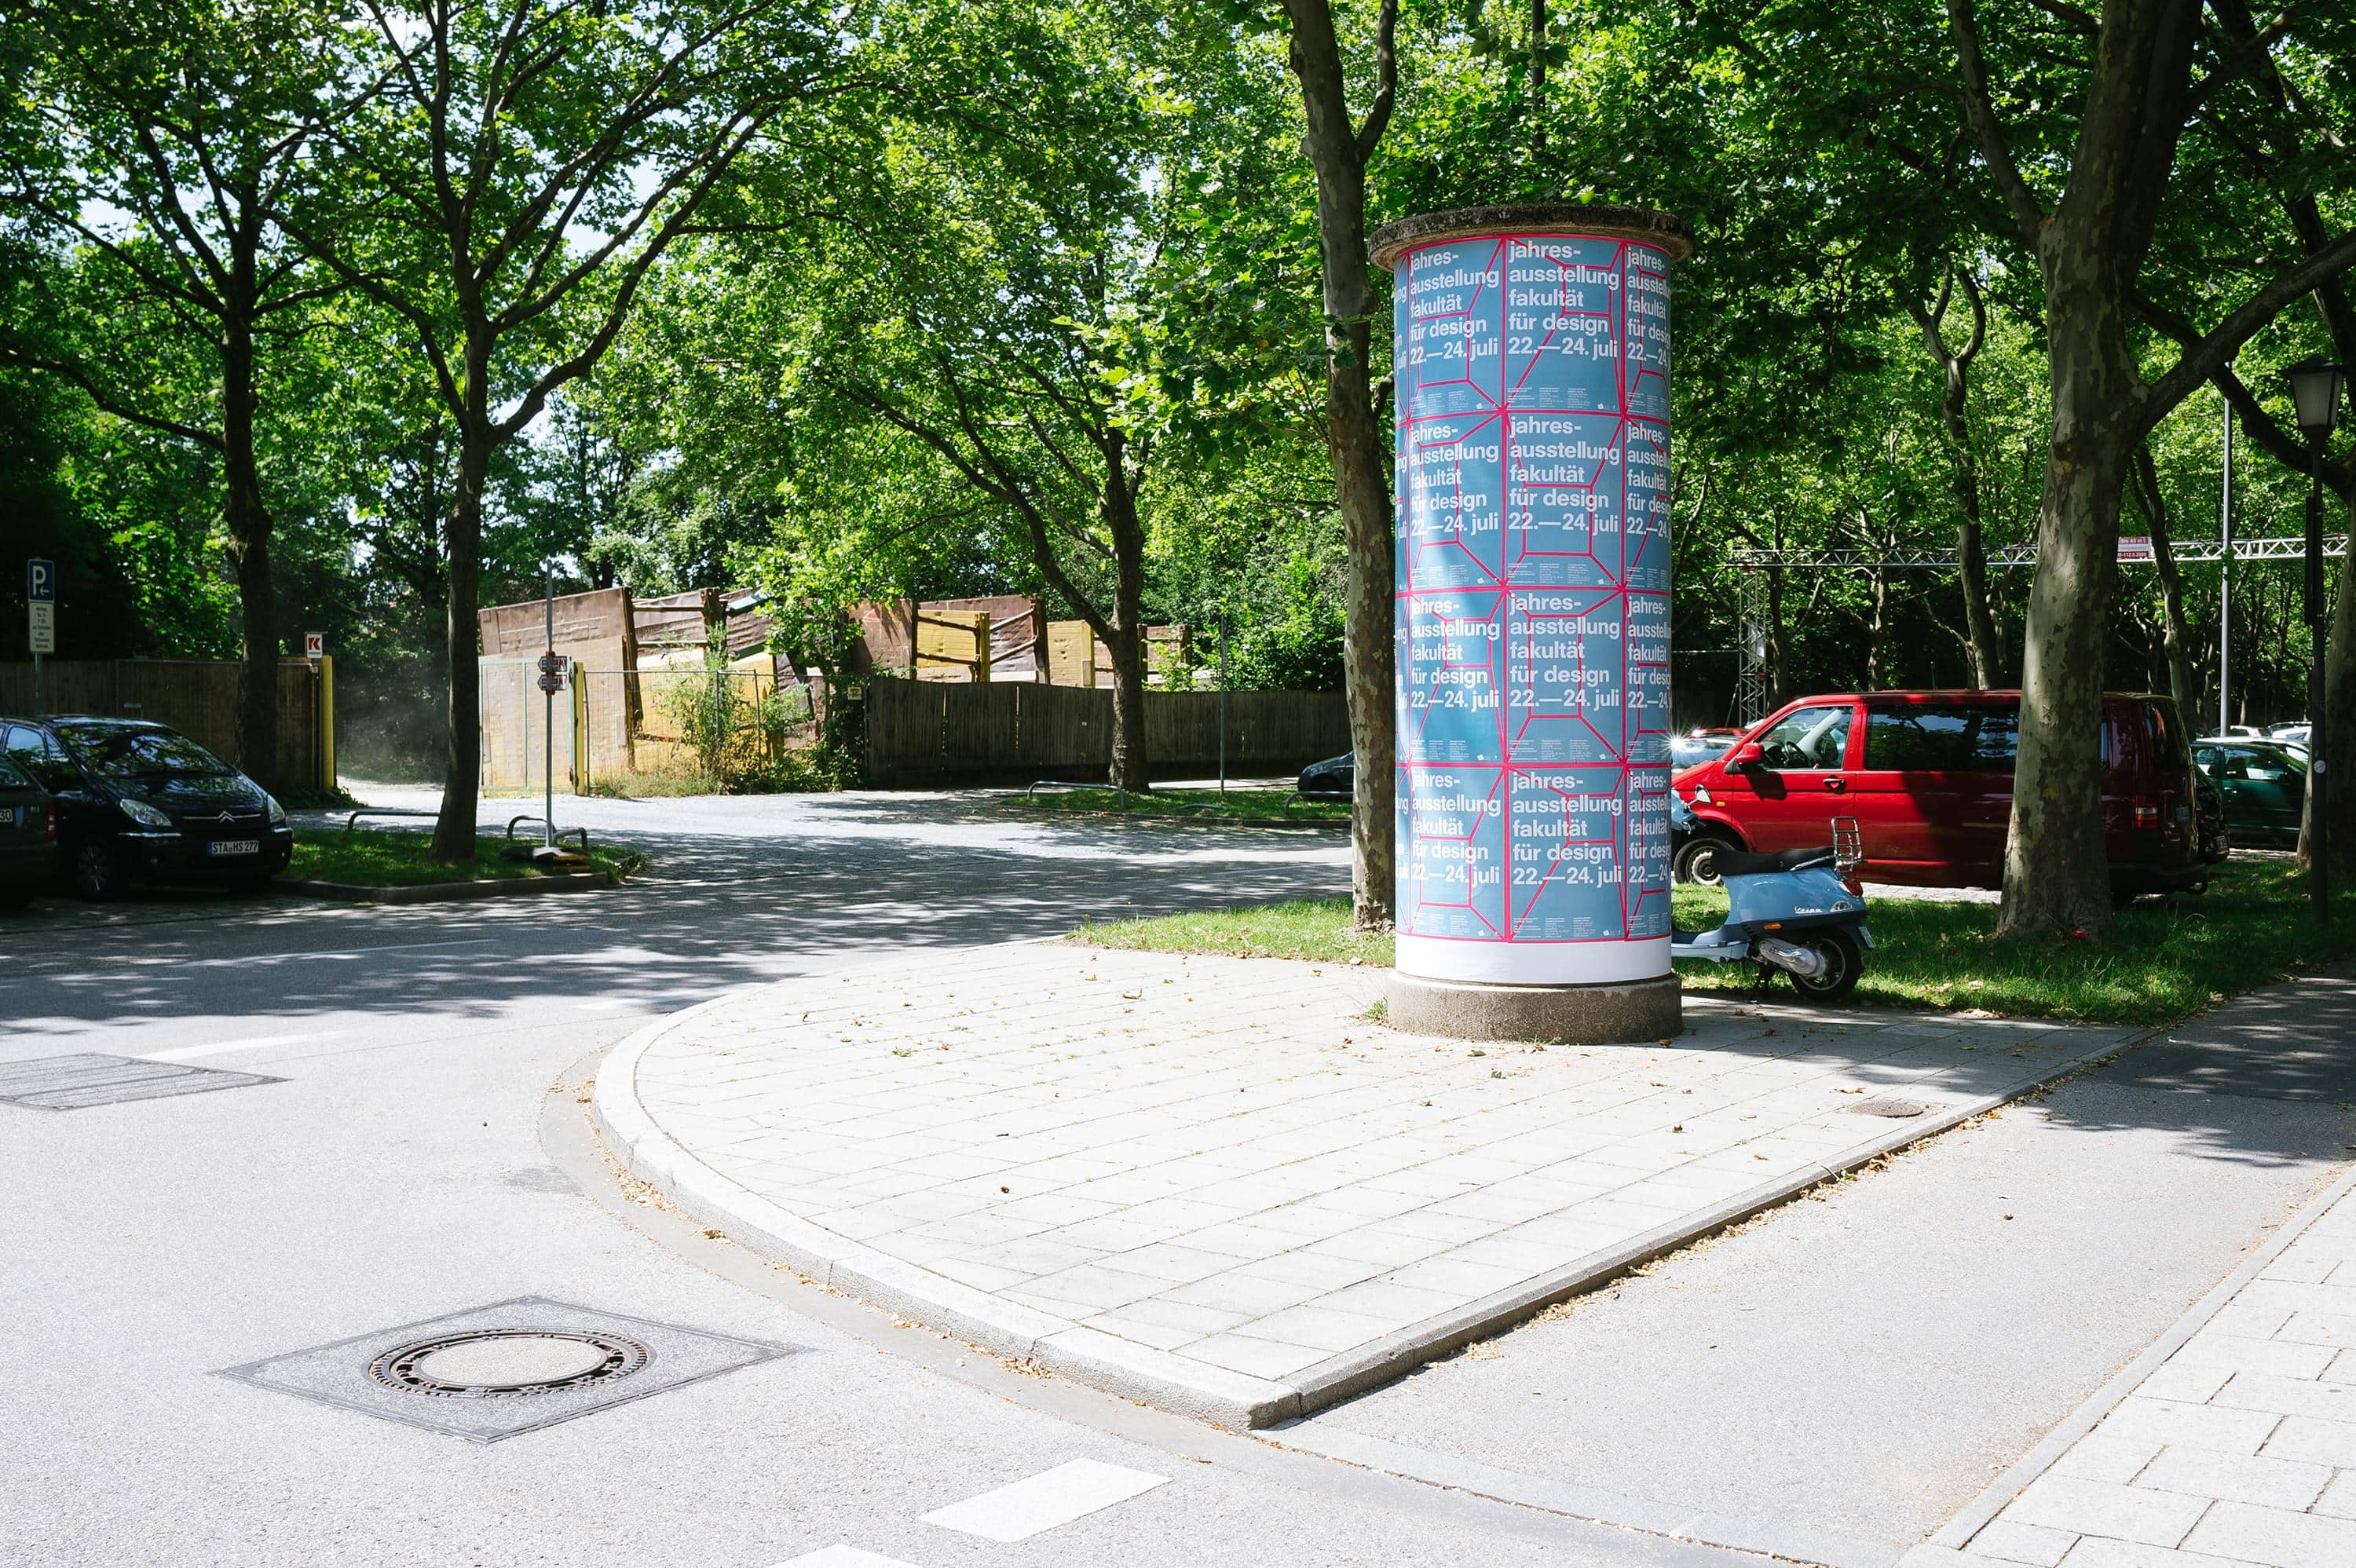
[[1791, 911]]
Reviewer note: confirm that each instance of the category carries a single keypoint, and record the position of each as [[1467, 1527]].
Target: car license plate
[[234, 846]]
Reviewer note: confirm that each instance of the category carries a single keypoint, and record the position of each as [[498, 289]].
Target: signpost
[[41, 615], [314, 646], [551, 681]]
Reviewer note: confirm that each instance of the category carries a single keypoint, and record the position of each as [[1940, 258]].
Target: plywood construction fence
[[518, 720], [921, 734], [195, 697], [1072, 653], [953, 644]]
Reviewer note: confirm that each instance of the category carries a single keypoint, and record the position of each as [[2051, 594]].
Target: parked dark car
[[139, 802], [2209, 818], [1335, 778], [29, 836], [1928, 776], [2264, 785]]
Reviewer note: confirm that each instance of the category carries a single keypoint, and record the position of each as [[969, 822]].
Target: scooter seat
[[1734, 863]]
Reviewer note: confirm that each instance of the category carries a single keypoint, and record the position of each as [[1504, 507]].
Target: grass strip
[[2167, 957], [1251, 805], [389, 857]]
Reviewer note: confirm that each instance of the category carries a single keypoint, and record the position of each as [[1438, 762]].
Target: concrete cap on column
[[1670, 234]]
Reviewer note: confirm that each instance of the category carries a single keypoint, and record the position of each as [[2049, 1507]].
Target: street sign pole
[[41, 622], [2225, 588], [547, 726]]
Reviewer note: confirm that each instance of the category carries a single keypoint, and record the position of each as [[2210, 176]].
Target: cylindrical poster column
[[1531, 366]]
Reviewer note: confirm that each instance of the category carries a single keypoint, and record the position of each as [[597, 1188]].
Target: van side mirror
[[1749, 754]]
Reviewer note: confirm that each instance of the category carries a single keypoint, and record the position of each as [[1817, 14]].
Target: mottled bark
[[2056, 870], [1983, 644], [2056, 874], [247, 521], [2176, 640], [454, 829], [2340, 710], [1126, 645], [1354, 440]]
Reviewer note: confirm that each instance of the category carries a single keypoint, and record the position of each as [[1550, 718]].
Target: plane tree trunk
[[1354, 440]]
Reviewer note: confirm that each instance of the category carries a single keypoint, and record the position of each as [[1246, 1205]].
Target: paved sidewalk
[[2235, 1442], [1216, 1184]]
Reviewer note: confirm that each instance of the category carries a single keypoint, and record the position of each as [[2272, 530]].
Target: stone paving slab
[[2232, 1441], [1217, 1184]]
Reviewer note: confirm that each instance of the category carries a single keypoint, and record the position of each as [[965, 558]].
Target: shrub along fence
[[195, 697], [922, 733]]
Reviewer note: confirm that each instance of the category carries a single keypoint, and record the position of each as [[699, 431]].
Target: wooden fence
[[195, 697], [920, 733]]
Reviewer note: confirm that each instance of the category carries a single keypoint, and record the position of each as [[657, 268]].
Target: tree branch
[[1979, 111], [1378, 112]]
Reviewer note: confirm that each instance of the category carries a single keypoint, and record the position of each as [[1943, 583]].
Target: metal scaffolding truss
[[1750, 586]]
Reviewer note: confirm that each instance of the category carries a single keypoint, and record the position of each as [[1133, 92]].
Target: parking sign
[[41, 605]]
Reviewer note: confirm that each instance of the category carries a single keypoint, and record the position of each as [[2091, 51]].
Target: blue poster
[[1533, 612]]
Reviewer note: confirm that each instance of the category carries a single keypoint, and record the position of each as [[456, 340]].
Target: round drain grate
[[507, 1363], [1894, 1109]]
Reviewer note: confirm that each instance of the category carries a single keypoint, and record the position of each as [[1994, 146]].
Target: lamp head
[[2315, 385]]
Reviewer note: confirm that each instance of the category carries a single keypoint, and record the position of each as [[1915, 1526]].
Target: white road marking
[[840, 1556], [1051, 1498], [223, 1047]]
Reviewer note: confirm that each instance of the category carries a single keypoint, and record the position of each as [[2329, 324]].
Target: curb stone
[[1137, 1371], [442, 892]]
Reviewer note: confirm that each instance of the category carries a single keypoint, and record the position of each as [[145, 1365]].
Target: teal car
[[2264, 787]]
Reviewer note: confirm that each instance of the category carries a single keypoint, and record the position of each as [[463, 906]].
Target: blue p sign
[[40, 580]]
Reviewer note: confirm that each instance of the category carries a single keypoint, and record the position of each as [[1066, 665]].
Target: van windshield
[[1941, 738]]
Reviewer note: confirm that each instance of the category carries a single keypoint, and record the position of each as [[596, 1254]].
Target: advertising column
[[1531, 368]]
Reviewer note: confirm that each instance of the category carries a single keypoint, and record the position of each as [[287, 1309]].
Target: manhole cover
[[1892, 1108], [494, 1371], [507, 1363]]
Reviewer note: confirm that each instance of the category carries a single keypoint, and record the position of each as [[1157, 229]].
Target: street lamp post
[[2315, 386]]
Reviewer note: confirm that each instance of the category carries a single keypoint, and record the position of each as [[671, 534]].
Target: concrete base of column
[[1573, 1015]]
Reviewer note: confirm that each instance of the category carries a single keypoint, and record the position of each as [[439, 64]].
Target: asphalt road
[[411, 1160]]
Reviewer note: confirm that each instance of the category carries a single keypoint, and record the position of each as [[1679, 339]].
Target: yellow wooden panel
[[1071, 653]]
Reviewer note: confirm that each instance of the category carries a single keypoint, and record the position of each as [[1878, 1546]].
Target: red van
[[1928, 776]]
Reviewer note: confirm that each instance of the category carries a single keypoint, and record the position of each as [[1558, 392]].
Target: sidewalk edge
[[1001, 1328], [1958, 1532], [1138, 1371], [1330, 1381]]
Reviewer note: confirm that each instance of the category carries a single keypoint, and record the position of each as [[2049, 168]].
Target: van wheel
[[1844, 962], [1698, 861], [97, 872]]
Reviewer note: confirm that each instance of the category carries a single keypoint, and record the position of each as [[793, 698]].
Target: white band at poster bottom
[[1606, 962]]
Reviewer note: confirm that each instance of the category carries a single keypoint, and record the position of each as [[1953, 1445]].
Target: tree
[[1009, 324], [2131, 72], [525, 169], [1339, 148], [174, 134], [1981, 641]]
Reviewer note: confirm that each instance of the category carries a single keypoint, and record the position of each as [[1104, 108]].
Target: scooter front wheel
[[1844, 962]]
